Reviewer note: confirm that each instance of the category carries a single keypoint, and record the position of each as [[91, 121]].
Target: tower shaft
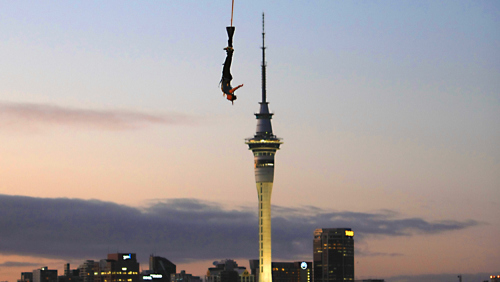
[[264, 190]]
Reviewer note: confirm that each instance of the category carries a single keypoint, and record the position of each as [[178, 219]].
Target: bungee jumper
[[227, 89]]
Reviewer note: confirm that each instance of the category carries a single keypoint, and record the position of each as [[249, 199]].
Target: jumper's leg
[[226, 70]]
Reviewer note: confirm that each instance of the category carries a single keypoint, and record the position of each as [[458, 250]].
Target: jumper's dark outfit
[[226, 72], [226, 87]]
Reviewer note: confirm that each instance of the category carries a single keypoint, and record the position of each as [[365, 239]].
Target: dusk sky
[[115, 136]]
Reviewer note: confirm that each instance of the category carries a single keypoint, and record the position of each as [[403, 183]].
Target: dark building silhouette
[[184, 277], [88, 270], [118, 267], [44, 274], [229, 276], [298, 271], [333, 254], [70, 275], [26, 277], [160, 268], [228, 271]]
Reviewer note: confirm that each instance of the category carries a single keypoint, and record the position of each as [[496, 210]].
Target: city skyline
[[280, 270], [111, 120]]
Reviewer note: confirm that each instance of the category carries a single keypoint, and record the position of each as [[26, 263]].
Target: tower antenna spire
[[263, 63]]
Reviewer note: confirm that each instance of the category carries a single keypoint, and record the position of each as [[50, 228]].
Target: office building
[[88, 269], [44, 274], [298, 271], [118, 267], [160, 269], [333, 255], [264, 145], [26, 277]]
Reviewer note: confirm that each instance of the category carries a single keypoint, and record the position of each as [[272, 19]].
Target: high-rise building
[[160, 269], [333, 254], [264, 145], [88, 270], [118, 267]]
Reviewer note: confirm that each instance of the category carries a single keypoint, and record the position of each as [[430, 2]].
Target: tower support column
[[264, 190]]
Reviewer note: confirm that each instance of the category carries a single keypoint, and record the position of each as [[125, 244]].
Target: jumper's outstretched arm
[[236, 88]]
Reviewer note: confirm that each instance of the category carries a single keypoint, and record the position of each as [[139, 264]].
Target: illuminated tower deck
[[264, 145]]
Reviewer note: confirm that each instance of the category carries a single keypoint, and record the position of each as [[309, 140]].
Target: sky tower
[[264, 145]]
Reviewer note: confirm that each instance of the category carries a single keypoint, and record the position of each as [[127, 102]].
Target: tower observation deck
[[264, 145]]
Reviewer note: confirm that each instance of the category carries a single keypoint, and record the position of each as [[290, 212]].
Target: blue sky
[[387, 108]]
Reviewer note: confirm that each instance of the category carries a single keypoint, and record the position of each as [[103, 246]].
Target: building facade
[[118, 267], [298, 271], [70, 275], [26, 277], [44, 274], [333, 254], [160, 269], [88, 269], [264, 145]]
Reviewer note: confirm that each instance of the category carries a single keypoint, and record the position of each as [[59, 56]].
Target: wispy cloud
[[185, 229], [28, 115], [18, 264]]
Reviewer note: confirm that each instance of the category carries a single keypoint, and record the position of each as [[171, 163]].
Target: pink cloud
[[28, 115]]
